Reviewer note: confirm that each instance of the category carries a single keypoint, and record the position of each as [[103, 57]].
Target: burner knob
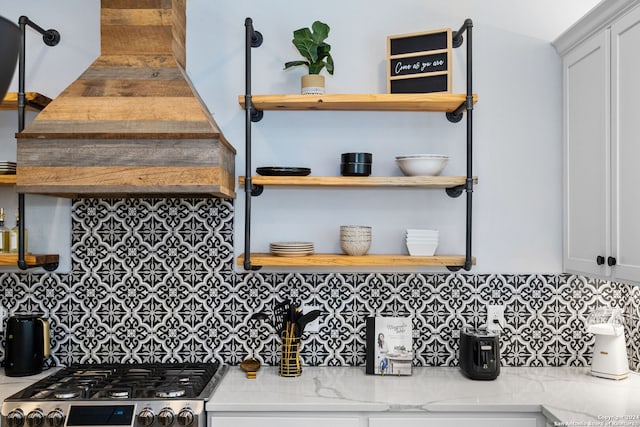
[[35, 418], [145, 417], [165, 417], [15, 418], [185, 417], [55, 418]]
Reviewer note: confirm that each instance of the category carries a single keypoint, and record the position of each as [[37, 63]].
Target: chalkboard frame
[[414, 62]]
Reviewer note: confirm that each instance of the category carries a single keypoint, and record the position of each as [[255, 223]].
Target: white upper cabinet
[[586, 221], [601, 127]]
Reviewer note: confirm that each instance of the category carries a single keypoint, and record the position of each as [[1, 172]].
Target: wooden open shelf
[[34, 101], [33, 260], [443, 102], [359, 181], [8, 179], [341, 260]]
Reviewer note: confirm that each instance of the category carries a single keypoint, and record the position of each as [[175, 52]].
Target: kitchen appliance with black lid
[[27, 345], [479, 355], [162, 394]]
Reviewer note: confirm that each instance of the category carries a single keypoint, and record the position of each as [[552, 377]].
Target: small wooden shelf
[[443, 102], [8, 179], [359, 181], [32, 260], [34, 101], [341, 260]]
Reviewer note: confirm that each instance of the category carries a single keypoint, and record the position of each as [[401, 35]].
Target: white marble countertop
[[11, 385], [561, 394]]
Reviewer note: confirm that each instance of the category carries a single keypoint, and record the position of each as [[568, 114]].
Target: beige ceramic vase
[[312, 84]]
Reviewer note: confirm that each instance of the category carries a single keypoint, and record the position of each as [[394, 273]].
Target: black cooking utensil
[[304, 320], [259, 316], [280, 316]]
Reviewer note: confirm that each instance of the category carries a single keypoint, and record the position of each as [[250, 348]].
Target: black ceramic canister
[[356, 164]]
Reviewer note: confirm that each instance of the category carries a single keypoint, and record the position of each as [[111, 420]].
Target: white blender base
[[610, 376]]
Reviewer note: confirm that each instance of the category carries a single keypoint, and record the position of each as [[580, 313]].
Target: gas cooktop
[[116, 395]]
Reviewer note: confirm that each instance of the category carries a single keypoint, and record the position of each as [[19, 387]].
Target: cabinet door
[[625, 140], [283, 421], [586, 180], [452, 422]]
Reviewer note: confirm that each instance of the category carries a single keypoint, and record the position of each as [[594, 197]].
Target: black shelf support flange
[[50, 38], [253, 39], [50, 266], [256, 115], [456, 191], [256, 190], [455, 116], [247, 264]]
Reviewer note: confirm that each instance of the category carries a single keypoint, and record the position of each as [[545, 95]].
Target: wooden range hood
[[132, 124]]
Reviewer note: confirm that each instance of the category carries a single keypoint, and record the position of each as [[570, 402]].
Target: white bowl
[[355, 229], [355, 248], [418, 249], [422, 164], [416, 231], [414, 240], [422, 235]]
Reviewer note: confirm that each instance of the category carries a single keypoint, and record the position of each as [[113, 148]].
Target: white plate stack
[[422, 242], [7, 168], [291, 249]]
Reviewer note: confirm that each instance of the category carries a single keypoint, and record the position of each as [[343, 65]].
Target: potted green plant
[[317, 53]]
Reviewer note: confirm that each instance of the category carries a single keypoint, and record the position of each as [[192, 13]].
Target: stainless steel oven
[[116, 395]]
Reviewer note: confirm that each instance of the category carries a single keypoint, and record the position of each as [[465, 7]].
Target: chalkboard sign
[[419, 62]]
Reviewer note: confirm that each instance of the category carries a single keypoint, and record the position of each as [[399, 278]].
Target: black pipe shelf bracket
[[455, 117], [50, 38], [253, 39]]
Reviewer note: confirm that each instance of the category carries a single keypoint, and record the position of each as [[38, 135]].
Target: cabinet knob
[[611, 261], [599, 260]]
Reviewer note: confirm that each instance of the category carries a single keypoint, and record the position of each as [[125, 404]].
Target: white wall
[[517, 119]]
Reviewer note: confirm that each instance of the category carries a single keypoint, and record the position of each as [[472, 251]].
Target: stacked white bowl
[[422, 164], [422, 242], [355, 239]]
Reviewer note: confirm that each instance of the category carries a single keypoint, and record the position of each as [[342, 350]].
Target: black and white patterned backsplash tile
[[154, 280]]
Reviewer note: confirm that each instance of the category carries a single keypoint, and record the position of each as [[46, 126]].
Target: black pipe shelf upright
[[50, 38], [454, 105]]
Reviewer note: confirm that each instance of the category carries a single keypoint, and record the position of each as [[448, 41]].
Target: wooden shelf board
[[31, 259], [359, 181], [8, 179], [338, 260], [34, 101], [442, 102]]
